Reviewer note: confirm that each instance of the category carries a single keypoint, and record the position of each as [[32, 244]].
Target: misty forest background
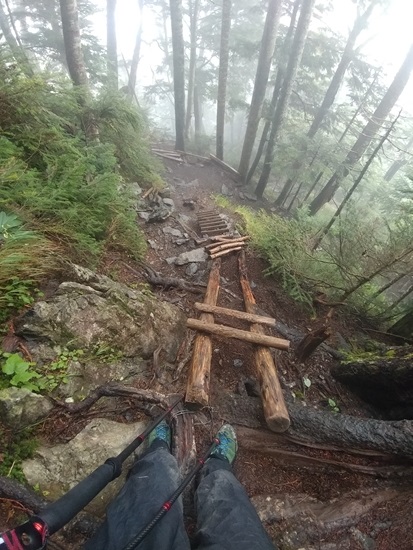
[[314, 128]]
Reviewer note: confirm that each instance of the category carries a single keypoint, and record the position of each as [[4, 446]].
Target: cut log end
[[278, 424]]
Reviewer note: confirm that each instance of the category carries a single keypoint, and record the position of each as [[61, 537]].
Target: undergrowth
[[331, 270], [61, 185]]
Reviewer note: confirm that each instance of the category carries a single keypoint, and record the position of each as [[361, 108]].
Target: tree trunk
[[136, 53], [111, 44], [404, 326], [199, 125], [194, 9], [356, 183], [178, 48], [17, 50], [385, 382], [276, 92], [260, 85], [223, 76], [367, 134], [398, 164], [359, 25], [282, 104], [73, 46]]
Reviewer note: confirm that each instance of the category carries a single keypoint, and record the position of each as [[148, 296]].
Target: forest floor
[[386, 525]]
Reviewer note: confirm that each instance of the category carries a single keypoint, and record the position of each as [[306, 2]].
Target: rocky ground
[[308, 505]]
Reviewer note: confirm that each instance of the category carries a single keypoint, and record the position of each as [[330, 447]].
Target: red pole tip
[[167, 506], [39, 527]]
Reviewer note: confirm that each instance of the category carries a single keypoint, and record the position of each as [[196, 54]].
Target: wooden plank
[[224, 246], [244, 335], [219, 241], [225, 252], [197, 389], [275, 410], [211, 232], [233, 313], [176, 159]]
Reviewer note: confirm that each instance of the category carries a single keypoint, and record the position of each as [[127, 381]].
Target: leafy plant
[[333, 405], [19, 372]]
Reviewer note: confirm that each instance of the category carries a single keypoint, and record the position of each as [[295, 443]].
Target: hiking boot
[[228, 446], [162, 432]]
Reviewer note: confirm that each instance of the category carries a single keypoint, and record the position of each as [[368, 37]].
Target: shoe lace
[[224, 443], [162, 431]]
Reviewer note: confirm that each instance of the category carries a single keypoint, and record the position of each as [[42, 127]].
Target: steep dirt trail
[[232, 372]]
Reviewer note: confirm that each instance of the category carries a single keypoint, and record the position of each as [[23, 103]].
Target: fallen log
[[385, 381], [264, 442], [176, 159], [275, 410], [225, 252], [243, 335], [227, 167], [346, 432], [250, 317], [197, 389]]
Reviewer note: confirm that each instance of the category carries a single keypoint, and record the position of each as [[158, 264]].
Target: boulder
[[20, 407], [193, 256], [57, 469], [92, 310]]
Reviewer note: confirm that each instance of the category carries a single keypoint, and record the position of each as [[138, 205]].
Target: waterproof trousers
[[226, 519]]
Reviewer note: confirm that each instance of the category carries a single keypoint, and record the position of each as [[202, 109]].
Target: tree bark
[[282, 104], [223, 76], [385, 382], [73, 46], [136, 53], [111, 44], [178, 48], [260, 85], [243, 335], [233, 313], [367, 134], [359, 25], [194, 9], [197, 389]]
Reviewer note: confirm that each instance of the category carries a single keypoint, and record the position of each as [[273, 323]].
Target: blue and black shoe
[[228, 445], [162, 432]]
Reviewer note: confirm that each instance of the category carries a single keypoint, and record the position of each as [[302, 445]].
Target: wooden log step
[[233, 313], [275, 409], [197, 389], [244, 335], [225, 252], [226, 246], [215, 232], [219, 241]]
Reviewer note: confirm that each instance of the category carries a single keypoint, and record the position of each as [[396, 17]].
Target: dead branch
[[158, 280], [114, 390]]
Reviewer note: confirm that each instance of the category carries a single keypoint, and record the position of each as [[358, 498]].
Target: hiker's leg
[[226, 518], [151, 481]]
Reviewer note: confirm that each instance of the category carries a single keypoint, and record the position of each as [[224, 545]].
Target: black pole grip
[[57, 514]]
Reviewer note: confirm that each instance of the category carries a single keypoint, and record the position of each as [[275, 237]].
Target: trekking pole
[[164, 509], [32, 535]]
